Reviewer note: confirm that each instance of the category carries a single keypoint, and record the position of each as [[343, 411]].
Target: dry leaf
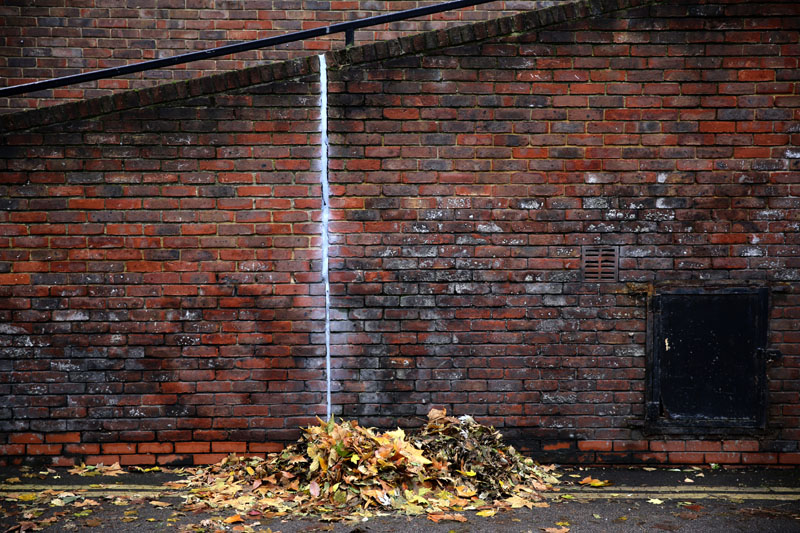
[[235, 519], [655, 501], [516, 502], [592, 482], [487, 512], [438, 517], [159, 504], [555, 529], [435, 414]]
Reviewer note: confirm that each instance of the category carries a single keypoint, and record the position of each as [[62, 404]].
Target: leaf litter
[[343, 471]]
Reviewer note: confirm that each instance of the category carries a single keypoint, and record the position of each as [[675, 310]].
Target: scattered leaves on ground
[[97, 470]]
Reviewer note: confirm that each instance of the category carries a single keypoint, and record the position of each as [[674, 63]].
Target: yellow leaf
[[564, 523], [250, 471], [159, 504], [27, 497], [465, 492], [13, 480], [469, 473], [397, 434], [487, 512], [655, 501], [589, 480], [234, 519]]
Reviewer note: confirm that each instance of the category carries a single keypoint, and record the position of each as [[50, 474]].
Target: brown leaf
[[438, 517], [235, 519], [159, 504], [592, 482], [435, 414]]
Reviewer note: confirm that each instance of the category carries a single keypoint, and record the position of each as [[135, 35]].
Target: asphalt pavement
[[625, 500]]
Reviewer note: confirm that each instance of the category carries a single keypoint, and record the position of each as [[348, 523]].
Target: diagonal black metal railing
[[347, 27]]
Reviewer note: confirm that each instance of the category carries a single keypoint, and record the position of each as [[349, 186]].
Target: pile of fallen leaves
[[344, 470]]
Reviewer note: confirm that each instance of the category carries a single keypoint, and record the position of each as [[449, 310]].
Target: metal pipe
[[349, 26]]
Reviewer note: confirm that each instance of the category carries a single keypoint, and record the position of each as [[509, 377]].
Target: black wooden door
[[708, 366]]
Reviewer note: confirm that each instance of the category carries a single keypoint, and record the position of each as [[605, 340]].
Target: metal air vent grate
[[600, 263]]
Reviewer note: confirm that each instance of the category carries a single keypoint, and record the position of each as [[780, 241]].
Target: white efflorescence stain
[[326, 216]]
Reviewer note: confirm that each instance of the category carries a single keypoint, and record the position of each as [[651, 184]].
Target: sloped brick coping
[[228, 81]]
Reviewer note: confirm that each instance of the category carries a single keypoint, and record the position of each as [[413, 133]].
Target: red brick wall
[[161, 277], [160, 262], [42, 39]]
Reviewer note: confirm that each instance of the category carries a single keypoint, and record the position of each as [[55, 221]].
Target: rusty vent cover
[[600, 263]]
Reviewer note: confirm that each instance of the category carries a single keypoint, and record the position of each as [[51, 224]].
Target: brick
[[740, 446], [192, 447], [115, 448], [703, 446], [789, 458], [759, 458], [137, 459], [43, 449], [723, 458], [154, 448], [598, 446], [686, 457], [73, 437], [26, 438]]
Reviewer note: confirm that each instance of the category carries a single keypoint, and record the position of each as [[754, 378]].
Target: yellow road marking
[[738, 496], [606, 493], [681, 492]]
